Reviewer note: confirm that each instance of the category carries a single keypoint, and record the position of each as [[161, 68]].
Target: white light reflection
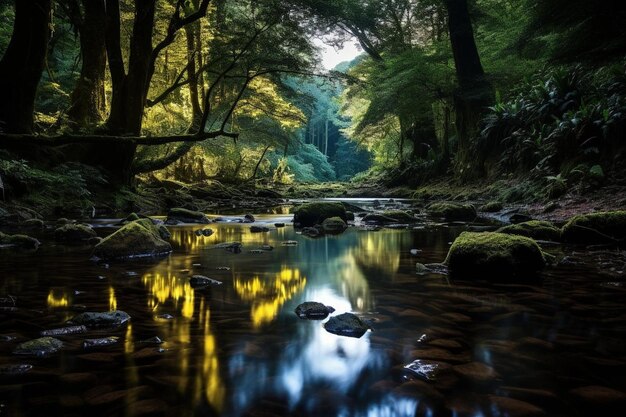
[[390, 406]]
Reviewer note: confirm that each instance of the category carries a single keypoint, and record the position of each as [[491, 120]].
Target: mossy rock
[[43, 346], [534, 229], [33, 224], [392, 216], [453, 211], [19, 241], [494, 255], [140, 238], [105, 319], [602, 227], [187, 216], [334, 225], [310, 214], [491, 207], [74, 233]]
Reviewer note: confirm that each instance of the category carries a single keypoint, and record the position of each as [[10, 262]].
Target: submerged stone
[[15, 369], [334, 225], [19, 241], [453, 211], [234, 247], [106, 319], [140, 238], [64, 331], [603, 227], [313, 310], [346, 324], [259, 229], [494, 255], [43, 346], [426, 369], [534, 229], [207, 232], [200, 281], [310, 214], [74, 233], [187, 216], [101, 342]]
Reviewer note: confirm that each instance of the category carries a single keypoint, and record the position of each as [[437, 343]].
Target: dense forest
[[120, 94]]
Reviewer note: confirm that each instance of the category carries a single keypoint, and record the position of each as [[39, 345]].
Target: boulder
[[494, 255], [43, 346], [249, 218], [310, 214], [491, 207], [346, 324], [74, 233], [311, 232], [387, 217], [453, 211], [259, 229], [33, 224], [234, 247], [603, 227], [187, 216], [140, 238], [95, 320], [19, 241], [534, 229], [313, 310], [334, 225]]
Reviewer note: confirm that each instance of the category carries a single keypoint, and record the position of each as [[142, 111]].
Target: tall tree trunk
[[475, 92], [326, 140], [88, 100], [22, 64], [193, 52]]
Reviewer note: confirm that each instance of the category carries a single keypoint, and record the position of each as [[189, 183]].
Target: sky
[[332, 57]]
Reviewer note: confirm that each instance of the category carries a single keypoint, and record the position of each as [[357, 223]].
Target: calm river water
[[557, 347]]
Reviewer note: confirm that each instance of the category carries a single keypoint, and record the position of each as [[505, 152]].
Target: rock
[[534, 229], [259, 229], [207, 232], [267, 248], [249, 218], [15, 369], [453, 211], [279, 225], [476, 372], [349, 216], [313, 310], [33, 224], [19, 241], [200, 281], [101, 342], [234, 247], [491, 207], [520, 218], [334, 225], [64, 331], [311, 232], [74, 233], [494, 255], [43, 346], [156, 340], [425, 369], [96, 320], [130, 218], [63, 221], [163, 232], [603, 227], [140, 238], [187, 216], [310, 214], [421, 269], [94, 240], [346, 324], [387, 217]]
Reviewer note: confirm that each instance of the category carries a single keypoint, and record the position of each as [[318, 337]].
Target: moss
[[603, 227], [400, 216], [534, 229], [452, 211], [74, 233], [137, 239], [20, 241], [310, 214], [187, 216], [492, 207], [334, 225], [494, 255]]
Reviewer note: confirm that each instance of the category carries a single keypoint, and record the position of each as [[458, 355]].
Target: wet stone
[[101, 342], [313, 310], [476, 372], [279, 225], [64, 331], [6, 338], [426, 369], [156, 340], [259, 229], [15, 369], [43, 346], [233, 247], [346, 324], [200, 281], [290, 243], [114, 318]]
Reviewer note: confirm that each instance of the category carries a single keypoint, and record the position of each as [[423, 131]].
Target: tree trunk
[[326, 140], [475, 92], [193, 52], [88, 100], [22, 65]]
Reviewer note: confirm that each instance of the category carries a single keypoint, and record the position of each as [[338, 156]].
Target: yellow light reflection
[[164, 287], [129, 345], [112, 299], [58, 299], [268, 296]]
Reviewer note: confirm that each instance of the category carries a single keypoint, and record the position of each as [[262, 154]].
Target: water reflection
[[58, 298]]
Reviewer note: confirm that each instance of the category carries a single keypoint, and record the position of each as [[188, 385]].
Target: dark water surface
[[553, 348]]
